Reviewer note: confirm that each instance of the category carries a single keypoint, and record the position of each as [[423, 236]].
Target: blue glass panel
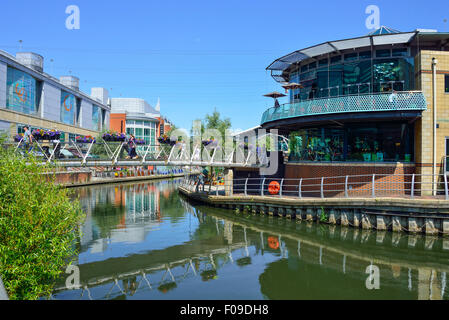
[[21, 92], [68, 108]]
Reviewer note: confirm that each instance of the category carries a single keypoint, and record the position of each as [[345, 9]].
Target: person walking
[[28, 139], [132, 148]]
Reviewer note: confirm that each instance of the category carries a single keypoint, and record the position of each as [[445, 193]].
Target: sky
[[194, 55]]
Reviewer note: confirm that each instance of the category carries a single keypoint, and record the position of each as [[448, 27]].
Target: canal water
[[145, 241]]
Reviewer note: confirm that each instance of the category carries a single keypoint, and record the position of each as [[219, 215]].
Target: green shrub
[[323, 216], [38, 228]]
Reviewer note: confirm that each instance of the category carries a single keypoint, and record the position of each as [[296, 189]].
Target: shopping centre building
[[137, 117], [30, 97], [377, 104]]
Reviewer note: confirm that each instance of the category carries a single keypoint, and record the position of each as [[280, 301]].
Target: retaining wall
[[429, 216]]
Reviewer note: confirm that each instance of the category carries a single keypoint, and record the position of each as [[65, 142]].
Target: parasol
[[275, 95]]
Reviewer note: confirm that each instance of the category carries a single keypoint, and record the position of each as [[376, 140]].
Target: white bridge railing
[[74, 154]]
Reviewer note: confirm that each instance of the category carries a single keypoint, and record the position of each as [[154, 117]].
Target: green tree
[[214, 121]]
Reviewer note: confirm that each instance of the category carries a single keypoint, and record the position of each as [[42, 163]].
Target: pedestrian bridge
[[105, 154]]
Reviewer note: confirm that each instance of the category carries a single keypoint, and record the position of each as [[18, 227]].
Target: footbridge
[[105, 154]]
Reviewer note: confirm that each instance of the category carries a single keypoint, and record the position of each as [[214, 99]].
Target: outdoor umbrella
[[292, 86], [275, 95]]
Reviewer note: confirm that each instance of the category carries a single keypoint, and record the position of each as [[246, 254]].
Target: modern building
[[135, 116], [31, 97], [376, 104]]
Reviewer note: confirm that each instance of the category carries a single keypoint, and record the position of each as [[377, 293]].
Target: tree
[[214, 121]]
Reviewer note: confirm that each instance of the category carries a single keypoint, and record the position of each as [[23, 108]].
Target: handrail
[[355, 186], [365, 102]]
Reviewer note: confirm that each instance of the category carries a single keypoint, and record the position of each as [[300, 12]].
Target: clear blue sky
[[194, 55]]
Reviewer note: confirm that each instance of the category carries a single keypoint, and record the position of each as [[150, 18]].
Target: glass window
[[393, 74], [304, 68], [384, 53], [446, 83], [68, 108], [147, 132], [365, 55], [377, 143], [312, 65], [130, 122], [403, 52], [129, 130], [21, 91], [335, 59], [356, 77], [351, 56], [317, 144], [139, 133], [383, 142], [335, 80], [96, 116], [323, 62], [139, 123]]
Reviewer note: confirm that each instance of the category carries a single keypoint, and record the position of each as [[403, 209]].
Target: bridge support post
[[229, 181]]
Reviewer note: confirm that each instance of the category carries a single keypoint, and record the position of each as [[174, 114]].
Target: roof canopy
[[381, 36]]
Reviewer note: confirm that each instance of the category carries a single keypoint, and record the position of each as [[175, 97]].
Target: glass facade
[[68, 108], [21, 91], [145, 130], [96, 118], [354, 73], [381, 142]]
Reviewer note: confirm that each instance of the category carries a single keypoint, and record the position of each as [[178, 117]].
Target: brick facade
[[118, 122], [390, 179]]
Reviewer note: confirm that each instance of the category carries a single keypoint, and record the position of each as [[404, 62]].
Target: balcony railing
[[391, 101]]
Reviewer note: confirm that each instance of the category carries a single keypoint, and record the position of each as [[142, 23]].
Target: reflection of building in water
[[124, 213], [305, 266], [228, 231]]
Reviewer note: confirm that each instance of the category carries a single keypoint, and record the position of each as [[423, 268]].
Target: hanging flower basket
[[86, 139], [140, 142], [111, 136], [54, 135], [211, 142], [18, 137], [164, 140]]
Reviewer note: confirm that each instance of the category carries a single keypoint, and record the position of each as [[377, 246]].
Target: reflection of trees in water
[[107, 216], [246, 261]]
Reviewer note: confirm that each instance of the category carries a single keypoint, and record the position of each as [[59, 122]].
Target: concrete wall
[[86, 115], [51, 102], [3, 70]]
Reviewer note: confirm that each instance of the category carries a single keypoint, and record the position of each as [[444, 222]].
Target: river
[[144, 241]]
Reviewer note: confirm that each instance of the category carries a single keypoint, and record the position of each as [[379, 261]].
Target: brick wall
[[118, 122], [385, 181]]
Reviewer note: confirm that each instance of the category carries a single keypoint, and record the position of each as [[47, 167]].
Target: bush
[[38, 228]]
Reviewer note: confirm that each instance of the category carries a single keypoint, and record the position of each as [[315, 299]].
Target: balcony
[[358, 103]]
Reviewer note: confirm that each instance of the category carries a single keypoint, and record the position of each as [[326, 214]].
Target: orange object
[[274, 187], [273, 243], [65, 105]]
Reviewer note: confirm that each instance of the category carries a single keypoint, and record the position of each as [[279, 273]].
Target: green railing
[[397, 101]]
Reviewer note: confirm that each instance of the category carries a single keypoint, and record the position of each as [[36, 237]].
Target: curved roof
[[381, 36]]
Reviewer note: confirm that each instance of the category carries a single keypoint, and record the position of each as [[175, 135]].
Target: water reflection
[[142, 241]]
